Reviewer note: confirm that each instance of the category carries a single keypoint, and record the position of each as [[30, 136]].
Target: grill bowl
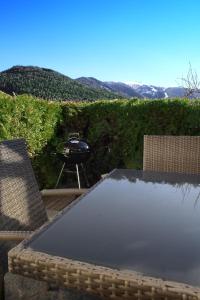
[[75, 151]]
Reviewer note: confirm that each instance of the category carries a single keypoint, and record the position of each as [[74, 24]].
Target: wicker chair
[[180, 154], [22, 209]]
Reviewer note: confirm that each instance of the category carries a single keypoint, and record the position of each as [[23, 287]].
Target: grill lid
[[75, 151], [77, 145]]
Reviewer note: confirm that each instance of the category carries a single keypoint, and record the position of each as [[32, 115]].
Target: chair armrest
[[63, 192], [14, 235]]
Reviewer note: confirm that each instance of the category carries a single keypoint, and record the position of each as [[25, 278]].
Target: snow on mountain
[[156, 92], [166, 96], [150, 91], [133, 84]]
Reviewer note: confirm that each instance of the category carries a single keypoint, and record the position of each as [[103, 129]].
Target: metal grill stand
[[77, 174], [75, 153]]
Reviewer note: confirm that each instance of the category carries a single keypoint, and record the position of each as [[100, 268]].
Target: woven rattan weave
[[21, 206], [179, 154]]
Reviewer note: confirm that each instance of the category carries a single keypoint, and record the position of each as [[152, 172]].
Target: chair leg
[[60, 175], [78, 177]]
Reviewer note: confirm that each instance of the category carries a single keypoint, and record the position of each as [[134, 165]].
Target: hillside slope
[[48, 84], [114, 87]]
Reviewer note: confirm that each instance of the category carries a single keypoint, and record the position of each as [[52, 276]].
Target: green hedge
[[35, 120], [122, 125], [30, 118], [118, 125]]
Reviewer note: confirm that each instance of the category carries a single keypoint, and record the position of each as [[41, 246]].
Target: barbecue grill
[[76, 152]]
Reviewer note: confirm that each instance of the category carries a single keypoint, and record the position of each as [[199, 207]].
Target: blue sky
[[139, 40]]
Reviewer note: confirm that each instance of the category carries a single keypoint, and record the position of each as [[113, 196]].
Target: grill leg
[[78, 177], [60, 175], [85, 176]]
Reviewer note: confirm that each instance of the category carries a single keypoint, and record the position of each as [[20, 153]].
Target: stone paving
[[18, 287]]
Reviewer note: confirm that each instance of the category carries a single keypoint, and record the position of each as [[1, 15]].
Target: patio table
[[134, 235]]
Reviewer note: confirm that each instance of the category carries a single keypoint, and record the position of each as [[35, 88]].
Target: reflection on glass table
[[140, 221]]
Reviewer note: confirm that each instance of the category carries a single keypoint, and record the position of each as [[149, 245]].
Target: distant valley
[[49, 84]]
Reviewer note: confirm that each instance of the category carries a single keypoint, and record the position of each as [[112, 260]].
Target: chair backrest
[[21, 206], [179, 154]]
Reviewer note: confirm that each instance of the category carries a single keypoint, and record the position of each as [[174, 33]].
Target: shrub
[[115, 129]]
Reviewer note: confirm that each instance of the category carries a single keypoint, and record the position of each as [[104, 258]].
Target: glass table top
[[148, 222]]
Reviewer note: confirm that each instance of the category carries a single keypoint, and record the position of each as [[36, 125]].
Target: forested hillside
[[48, 84]]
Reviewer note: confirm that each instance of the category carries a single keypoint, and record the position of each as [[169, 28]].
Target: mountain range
[[49, 84], [134, 89]]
